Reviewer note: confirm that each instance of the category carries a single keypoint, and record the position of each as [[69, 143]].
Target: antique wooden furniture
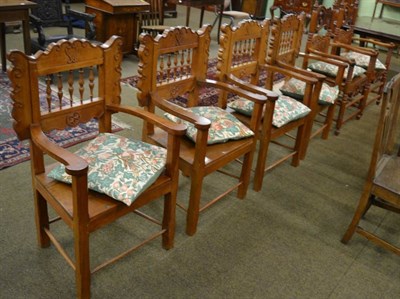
[[393, 3], [14, 10], [256, 8], [382, 186], [243, 59], [175, 64], [202, 4], [89, 96], [286, 38], [152, 20], [378, 73], [51, 14], [117, 17], [230, 14], [350, 10], [354, 82], [292, 6]]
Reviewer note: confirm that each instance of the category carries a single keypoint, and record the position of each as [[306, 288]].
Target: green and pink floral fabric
[[224, 126], [295, 88], [286, 109], [362, 60], [331, 70], [119, 167]]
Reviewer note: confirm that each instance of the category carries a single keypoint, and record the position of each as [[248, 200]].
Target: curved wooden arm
[[361, 50], [165, 124], [199, 122], [80, 15], [375, 42], [331, 58], [74, 165], [271, 95], [292, 73], [304, 72], [254, 97]]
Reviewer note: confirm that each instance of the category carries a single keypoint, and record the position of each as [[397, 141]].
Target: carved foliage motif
[[73, 119]]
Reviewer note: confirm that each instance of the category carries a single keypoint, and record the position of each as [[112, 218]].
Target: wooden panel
[[116, 18]]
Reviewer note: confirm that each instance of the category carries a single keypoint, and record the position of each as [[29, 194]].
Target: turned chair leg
[[82, 262], [362, 207], [42, 220], [193, 211], [169, 220], [245, 175]]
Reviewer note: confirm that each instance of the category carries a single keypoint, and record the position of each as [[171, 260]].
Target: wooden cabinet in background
[[254, 7], [117, 17], [295, 6]]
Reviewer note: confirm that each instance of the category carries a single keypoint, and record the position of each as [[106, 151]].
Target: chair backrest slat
[[54, 87]]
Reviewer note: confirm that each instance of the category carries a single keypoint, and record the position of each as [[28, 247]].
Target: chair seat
[[388, 175], [214, 152], [98, 204]]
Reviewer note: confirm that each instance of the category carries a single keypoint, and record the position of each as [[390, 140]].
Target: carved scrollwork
[[73, 119]]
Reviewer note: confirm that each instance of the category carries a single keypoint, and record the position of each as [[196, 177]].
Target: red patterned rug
[[12, 151]]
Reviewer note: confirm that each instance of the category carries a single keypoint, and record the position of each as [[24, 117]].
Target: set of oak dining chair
[[263, 96]]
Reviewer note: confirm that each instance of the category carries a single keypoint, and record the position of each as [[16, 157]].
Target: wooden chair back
[[67, 101], [242, 50], [51, 13], [382, 186], [350, 10], [177, 62], [285, 43], [326, 18], [153, 17]]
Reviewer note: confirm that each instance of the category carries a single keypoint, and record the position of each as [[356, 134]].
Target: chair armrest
[[271, 95], [168, 126], [252, 96], [375, 42], [38, 25], [74, 165], [330, 58], [361, 50], [89, 22], [199, 122], [341, 62], [291, 72], [80, 15], [319, 77]]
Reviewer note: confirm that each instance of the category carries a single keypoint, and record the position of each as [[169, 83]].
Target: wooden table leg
[[221, 11], [27, 37], [201, 16], [3, 46], [187, 15]]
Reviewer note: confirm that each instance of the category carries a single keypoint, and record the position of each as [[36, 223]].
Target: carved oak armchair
[[255, 55], [174, 66], [110, 177], [323, 41]]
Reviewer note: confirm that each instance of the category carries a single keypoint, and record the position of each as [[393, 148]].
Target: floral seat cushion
[[286, 109], [362, 60], [295, 88], [331, 70], [224, 126], [119, 167]]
